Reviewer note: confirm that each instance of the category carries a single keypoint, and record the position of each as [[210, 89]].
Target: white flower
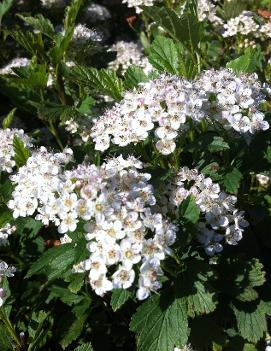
[[53, 3], [7, 152], [68, 222], [96, 267], [102, 285], [6, 270], [5, 232], [263, 180], [130, 253], [123, 278], [138, 3], [166, 147], [17, 62], [220, 219], [128, 54]]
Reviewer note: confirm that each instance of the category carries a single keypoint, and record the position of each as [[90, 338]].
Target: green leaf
[[55, 112], [164, 55], [119, 297], [267, 154], [249, 294], [160, 328], [232, 8], [8, 120], [185, 29], [250, 62], [64, 295], [102, 81], [232, 181], [193, 288], [218, 144], [5, 5], [40, 23], [251, 322], [21, 152], [212, 170], [189, 210], [84, 347], [27, 40], [201, 301], [62, 43], [29, 226], [133, 76], [86, 105], [76, 282], [187, 67], [54, 261], [32, 76], [39, 330], [6, 343], [71, 13], [74, 330]]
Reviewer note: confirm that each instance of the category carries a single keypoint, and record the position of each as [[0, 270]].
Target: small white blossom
[[138, 3], [220, 219], [128, 54], [15, 63], [7, 152]]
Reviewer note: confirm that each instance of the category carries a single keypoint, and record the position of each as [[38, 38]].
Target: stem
[[9, 327], [53, 131]]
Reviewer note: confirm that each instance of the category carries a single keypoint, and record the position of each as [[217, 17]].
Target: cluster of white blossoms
[[264, 180], [96, 13], [114, 201], [83, 35], [38, 186], [220, 220], [5, 232], [246, 24], [125, 232], [128, 54], [235, 101], [207, 11], [53, 3], [5, 271], [185, 348], [6, 147], [138, 3], [165, 104], [15, 63]]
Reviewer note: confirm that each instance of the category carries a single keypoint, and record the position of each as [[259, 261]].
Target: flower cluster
[[166, 103], [235, 101], [114, 201], [83, 35], [128, 54], [5, 271], [96, 13], [185, 348], [246, 24], [5, 232], [138, 3], [6, 147], [119, 197], [220, 219], [264, 180], [53, 3], [15, 63], [207, 11], [37, 183]]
